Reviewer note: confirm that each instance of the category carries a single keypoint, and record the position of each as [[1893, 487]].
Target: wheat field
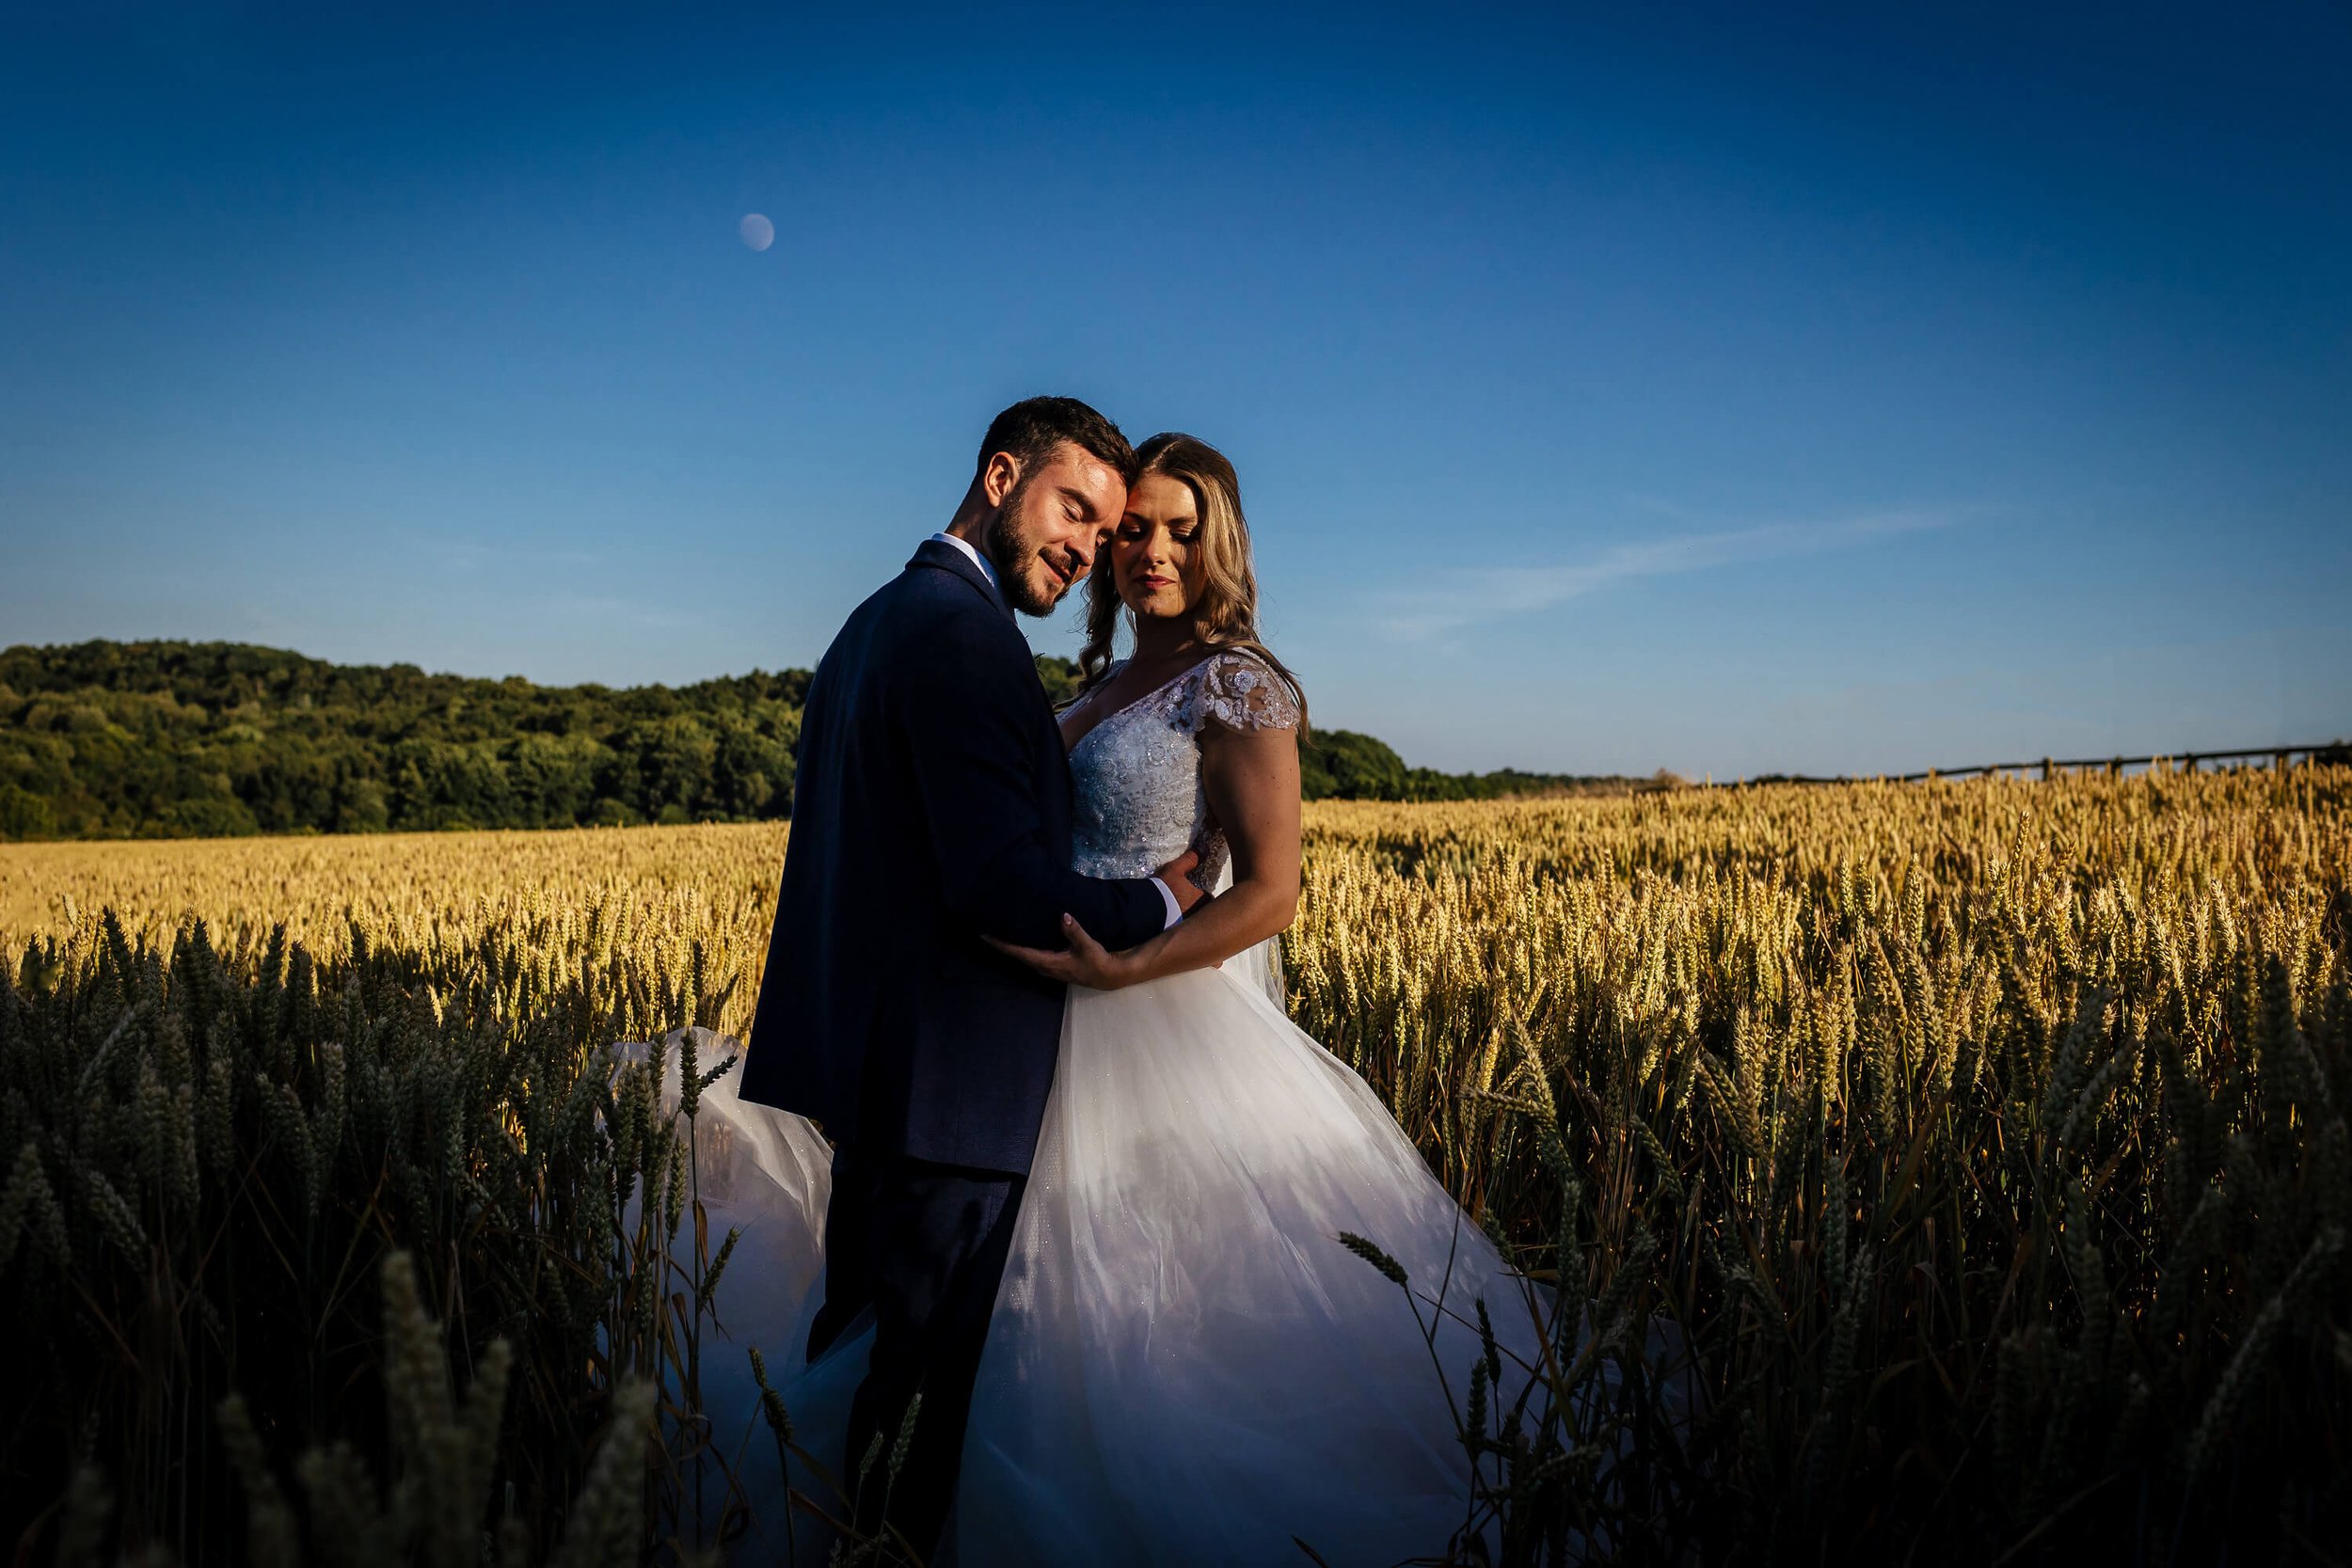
[[1983, 1144]]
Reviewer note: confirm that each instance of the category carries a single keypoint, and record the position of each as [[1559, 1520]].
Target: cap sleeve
[[1237, 691]]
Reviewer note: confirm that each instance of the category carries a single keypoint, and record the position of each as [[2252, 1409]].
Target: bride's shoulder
[[1088, 690], [1237, 689]]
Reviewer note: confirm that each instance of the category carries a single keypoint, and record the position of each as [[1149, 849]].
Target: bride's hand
[[1087, 963]]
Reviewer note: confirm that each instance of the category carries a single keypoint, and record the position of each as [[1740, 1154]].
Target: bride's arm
[[1250, 779]]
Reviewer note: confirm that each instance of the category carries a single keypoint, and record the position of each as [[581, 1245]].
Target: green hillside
[[186, 739]]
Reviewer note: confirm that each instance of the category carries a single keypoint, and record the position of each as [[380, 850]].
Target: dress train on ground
[[1186, 1363]]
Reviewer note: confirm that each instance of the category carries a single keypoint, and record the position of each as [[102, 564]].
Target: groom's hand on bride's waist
[[1176, 879]]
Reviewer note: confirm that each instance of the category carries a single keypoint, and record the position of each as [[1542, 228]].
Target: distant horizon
[[2131, 755], [1736, 391]]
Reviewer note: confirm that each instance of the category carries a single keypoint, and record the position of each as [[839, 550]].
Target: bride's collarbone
[[1130, 684]]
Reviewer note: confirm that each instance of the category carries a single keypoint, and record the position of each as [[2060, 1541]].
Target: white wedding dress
[[1185, 1364]]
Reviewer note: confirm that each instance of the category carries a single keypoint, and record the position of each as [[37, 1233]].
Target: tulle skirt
[[1187, 1364]]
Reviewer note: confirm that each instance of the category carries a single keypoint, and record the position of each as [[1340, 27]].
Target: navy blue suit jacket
[[933, 804]]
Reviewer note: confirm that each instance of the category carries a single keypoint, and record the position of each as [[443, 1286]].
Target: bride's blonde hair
[[1225, 616]]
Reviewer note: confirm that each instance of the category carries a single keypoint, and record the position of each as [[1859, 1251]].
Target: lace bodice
[[1137, 772]]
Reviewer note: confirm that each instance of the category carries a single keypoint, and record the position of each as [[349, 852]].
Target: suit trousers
[[924, 1246]]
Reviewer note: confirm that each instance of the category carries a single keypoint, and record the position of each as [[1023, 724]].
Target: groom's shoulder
[[926, 608]]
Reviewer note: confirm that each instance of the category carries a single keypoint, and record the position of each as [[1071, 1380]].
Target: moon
[[756, 231]]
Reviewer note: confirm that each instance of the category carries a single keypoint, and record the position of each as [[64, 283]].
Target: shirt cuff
[[1175, 911]]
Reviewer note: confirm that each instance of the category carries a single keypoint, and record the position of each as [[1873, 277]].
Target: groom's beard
[[1013, 550]]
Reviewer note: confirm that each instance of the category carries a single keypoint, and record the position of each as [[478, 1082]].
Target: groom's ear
[[999, 476]]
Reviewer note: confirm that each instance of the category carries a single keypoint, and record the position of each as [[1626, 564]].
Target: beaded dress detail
[[1137, 772]]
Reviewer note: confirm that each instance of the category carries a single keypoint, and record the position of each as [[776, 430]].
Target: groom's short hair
[[1032, 428]]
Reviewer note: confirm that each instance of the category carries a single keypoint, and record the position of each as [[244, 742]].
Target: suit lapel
[[949, 558]]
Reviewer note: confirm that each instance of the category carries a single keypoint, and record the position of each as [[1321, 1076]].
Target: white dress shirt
[[1175, 911]]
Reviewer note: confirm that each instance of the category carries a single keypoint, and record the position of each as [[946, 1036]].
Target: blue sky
[[1847, 389]]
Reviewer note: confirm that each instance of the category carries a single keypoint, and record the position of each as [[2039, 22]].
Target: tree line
[[106, 740]]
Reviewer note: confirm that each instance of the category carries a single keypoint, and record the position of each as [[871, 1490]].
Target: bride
[[1187, 1362]]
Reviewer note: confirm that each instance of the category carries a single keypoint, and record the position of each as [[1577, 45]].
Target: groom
[[933, 808]]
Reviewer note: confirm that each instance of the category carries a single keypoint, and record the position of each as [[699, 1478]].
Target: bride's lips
[[1155, 582]]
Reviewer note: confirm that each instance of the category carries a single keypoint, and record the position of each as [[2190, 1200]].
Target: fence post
[[2045, 769]]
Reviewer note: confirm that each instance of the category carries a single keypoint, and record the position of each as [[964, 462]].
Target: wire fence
[[2281, 757]]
